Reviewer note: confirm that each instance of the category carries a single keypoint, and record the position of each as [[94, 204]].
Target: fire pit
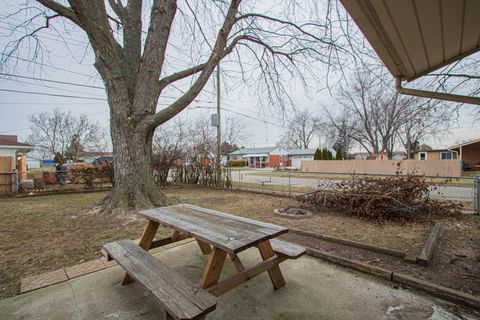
[[293, 213]]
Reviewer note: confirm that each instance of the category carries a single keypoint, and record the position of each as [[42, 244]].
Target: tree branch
[[61, 10], [220, 50]]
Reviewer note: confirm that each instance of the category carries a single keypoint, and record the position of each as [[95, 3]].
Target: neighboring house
[[10, 147], [436, 154], [33, 163], [296, 156], [358, 156], [12, 157], [469, 153], [267, 157]]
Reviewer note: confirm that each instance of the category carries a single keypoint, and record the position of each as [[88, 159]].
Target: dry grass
[[41, 234]]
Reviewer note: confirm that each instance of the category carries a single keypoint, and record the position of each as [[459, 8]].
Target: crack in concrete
[[75, 298]]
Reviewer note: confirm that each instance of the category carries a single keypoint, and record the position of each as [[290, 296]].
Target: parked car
[[102, 159]]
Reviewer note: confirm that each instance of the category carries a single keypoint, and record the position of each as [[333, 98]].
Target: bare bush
[[401, 197]]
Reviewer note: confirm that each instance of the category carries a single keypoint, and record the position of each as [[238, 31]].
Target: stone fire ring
[[293, 213]]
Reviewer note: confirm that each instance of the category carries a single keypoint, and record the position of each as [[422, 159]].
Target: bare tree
[[130, 41], [379, 116], [301, 129], [203, 141], [59, 132], [338, 130], [171, 144]]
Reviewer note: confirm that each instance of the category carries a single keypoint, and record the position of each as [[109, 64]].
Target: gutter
[[435, 95]]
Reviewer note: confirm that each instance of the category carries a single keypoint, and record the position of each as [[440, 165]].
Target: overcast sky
[[72, 62]]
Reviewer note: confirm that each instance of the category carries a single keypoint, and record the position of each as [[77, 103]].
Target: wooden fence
[[446, 168], [6, 175]]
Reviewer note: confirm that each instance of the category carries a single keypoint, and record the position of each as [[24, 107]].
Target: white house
[[296, 156], [272, 157], [10, 147], [12, 157]]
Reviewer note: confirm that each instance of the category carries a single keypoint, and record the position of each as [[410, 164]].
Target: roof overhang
[[416, 37], [254, 155], [18, 148]]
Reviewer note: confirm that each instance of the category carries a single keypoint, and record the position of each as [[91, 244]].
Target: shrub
[[87, 173]]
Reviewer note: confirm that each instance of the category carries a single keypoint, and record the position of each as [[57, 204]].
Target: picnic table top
[[224, 231]]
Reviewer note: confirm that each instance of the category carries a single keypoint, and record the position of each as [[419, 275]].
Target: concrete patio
[[314, 290]]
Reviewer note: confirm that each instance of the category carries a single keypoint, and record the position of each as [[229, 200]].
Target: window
[[446, 155], [422, 156]]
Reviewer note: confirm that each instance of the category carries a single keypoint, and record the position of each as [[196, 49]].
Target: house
[[469, 153], [296, 156], [12, 157], [435, 154], [267, 157]]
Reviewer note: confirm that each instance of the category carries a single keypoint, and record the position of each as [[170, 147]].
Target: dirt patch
[[456, 262]]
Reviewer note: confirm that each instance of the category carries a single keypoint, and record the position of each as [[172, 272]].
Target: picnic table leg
[[236, 262], [214, 267], [205, 247], [275, 273], [145, 242]]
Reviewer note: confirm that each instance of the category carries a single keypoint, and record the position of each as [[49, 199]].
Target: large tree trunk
[[135, 187]]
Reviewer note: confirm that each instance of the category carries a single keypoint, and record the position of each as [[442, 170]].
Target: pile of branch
[[402, 198]]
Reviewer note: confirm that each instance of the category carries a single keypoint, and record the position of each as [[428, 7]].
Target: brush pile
[[401, 197]]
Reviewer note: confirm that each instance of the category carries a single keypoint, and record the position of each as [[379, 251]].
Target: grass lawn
[[44, 233]]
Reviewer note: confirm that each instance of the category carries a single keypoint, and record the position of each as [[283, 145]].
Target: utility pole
[[219, 132]]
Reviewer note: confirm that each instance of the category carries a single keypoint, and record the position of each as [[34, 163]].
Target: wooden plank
[[167, 240], [205, 247], [180, 298], [229, 233], [237, 218], [387, 251], [275, 273], [236, 262], [214, 267], [287, 249], [427, 252], [144, 242], [241, 277], [6, 177]]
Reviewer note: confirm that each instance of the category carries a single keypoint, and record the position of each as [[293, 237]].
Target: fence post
[[289, 184], [15, 177], [477, 195]]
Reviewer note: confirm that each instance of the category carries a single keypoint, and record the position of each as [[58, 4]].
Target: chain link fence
[[464, 190]]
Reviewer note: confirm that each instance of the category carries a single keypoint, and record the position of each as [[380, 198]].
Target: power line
[[252, 118], [51, 87], [53, 95], [52, 81], [53, 67]]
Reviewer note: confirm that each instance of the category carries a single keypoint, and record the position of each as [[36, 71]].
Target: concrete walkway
[[314, 290]]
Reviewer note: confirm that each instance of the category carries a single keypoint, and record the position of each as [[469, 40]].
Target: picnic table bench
[[218, 235], [265, 181]]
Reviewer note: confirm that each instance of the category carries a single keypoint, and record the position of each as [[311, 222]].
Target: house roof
[[416, 37], [10, 142], [255, 151], [301, 152], [466, 143]]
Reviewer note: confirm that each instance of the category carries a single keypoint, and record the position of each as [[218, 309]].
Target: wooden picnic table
[[218, 235]]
